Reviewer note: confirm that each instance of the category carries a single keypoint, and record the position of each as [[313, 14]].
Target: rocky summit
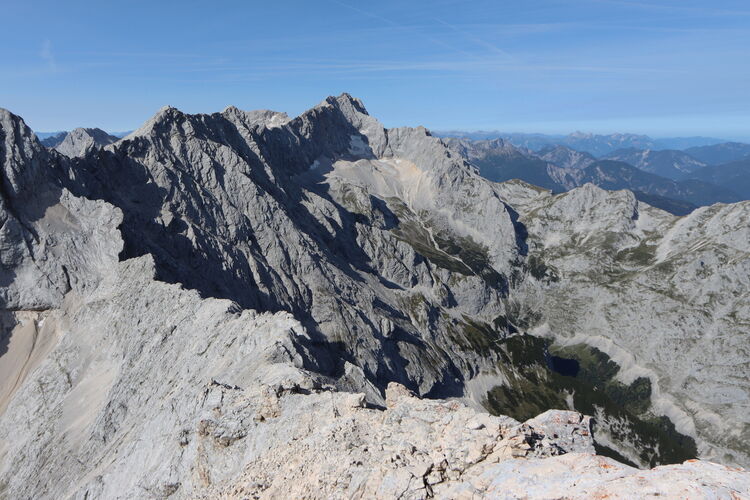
[[79, 141], [250, 305]]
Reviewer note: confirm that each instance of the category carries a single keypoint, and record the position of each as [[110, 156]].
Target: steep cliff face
[[208, 280], [323, 216], [52, 241]]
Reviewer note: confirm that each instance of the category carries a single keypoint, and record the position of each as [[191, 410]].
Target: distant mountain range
[[671, 180], [734, 176], [595, 144], [669, 163], [246, 304], [720, 153]]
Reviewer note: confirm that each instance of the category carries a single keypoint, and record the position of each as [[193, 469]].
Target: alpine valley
[[249, 305]]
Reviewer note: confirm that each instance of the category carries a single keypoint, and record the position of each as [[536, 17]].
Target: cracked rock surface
[[245, 304]]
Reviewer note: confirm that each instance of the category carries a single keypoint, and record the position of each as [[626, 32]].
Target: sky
[[663, 68]]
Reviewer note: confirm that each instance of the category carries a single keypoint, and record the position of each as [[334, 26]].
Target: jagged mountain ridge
[[595, 144], [378, 244], [51, 139], [80, 141], [561, 168]]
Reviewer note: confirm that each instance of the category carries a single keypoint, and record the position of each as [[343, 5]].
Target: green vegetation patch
[[418, 238], [642, 255], [473, 254], [457, 254], [535, 387]]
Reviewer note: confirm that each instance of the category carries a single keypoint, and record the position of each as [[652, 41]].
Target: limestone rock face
[[328, 216], [579, 476], [230, 304], [51, 241], [79, 142], [128, 394]]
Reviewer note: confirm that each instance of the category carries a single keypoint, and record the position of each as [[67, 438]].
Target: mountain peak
[[10, 120], [302, 280], [78, 142], [346, 99], [348, 104], [14, 126], [165, 114], [5, 114]]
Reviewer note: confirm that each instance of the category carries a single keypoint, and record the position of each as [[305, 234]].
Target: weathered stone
[[285, 290]]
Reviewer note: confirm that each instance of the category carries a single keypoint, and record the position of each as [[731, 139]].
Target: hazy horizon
[[498, 132], [662, 68]]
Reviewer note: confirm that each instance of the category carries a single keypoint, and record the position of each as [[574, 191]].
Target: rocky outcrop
[[52, 241], [125, 394], [79, 142], [411, 450], [231, 293], [665, 297]]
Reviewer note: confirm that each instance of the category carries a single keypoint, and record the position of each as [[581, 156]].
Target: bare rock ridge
[[245, 301], [53, 241], [79, 142]]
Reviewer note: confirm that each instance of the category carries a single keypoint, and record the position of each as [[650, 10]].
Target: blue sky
[[658, 67]]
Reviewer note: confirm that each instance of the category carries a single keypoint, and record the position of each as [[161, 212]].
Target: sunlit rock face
[[227, 304]]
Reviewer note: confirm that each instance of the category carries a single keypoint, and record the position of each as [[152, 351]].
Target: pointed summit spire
[[165, 113]]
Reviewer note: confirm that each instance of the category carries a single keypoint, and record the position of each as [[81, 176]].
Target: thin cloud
[[435, 41], [264, 70], [685, 9], [47, 56], [475, 39]]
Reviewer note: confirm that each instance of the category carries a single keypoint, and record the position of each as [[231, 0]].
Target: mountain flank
[[252, 304]]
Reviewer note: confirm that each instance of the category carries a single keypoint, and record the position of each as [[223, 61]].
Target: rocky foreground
[[153, 412], [245, 305]]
